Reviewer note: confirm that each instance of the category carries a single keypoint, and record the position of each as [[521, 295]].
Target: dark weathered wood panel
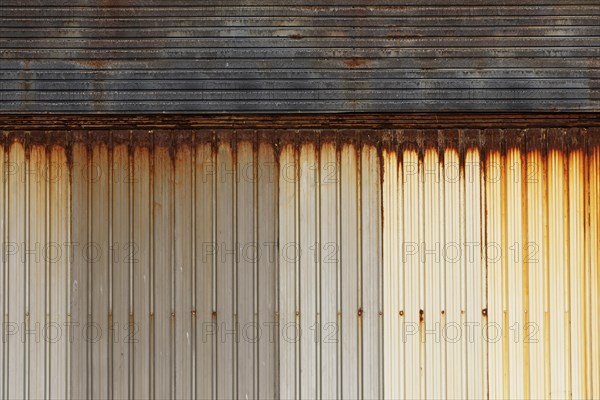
[[331, 56]]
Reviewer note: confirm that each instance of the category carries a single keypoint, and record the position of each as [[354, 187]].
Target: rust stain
[[356, 62], [97, 96], [99, 64]]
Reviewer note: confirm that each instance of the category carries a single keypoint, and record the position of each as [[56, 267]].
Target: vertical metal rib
[[235, 264], [109, 254], [338, 269], [359, 250], [70, 267], [194, 310], [214, 242], [255, 268], [173, 266], [318, 267], [89, 320], [152, 327], [131, 254], [27, 266], [47, 359], [297, 283], [3, 295]]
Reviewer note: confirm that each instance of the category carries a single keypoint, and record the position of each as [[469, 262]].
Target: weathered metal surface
[[214, 263], [71, 122], [134, 56]]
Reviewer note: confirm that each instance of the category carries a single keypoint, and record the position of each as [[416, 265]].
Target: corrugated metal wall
[[301, 264], [491, 265], [355, 55]]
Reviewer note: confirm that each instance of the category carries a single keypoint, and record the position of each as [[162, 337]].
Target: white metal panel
[[593, 344], [536, 264], [434, 275], [231, 266], [15, 272], [349, 271], [120, 271], [81, 279], [454, 274], [37, 272], [205, 259], [576, 277], [497, 214], [99, 259], [267, 221], [496, 271], [183, 270], [59, 273], [558, 271], [142, 230], [329, 218], [394, 284], [308, 246], [246, 273], [163, 256], [3, 295], [225, 271], [413, 225], [515, 241], [475, 278], [288, 239], [371, 296]]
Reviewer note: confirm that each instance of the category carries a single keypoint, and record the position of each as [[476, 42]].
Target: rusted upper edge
[[298, 121]]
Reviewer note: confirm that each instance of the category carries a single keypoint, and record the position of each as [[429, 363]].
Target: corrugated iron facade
[[143, 56], [408, 263], [490, 265]]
